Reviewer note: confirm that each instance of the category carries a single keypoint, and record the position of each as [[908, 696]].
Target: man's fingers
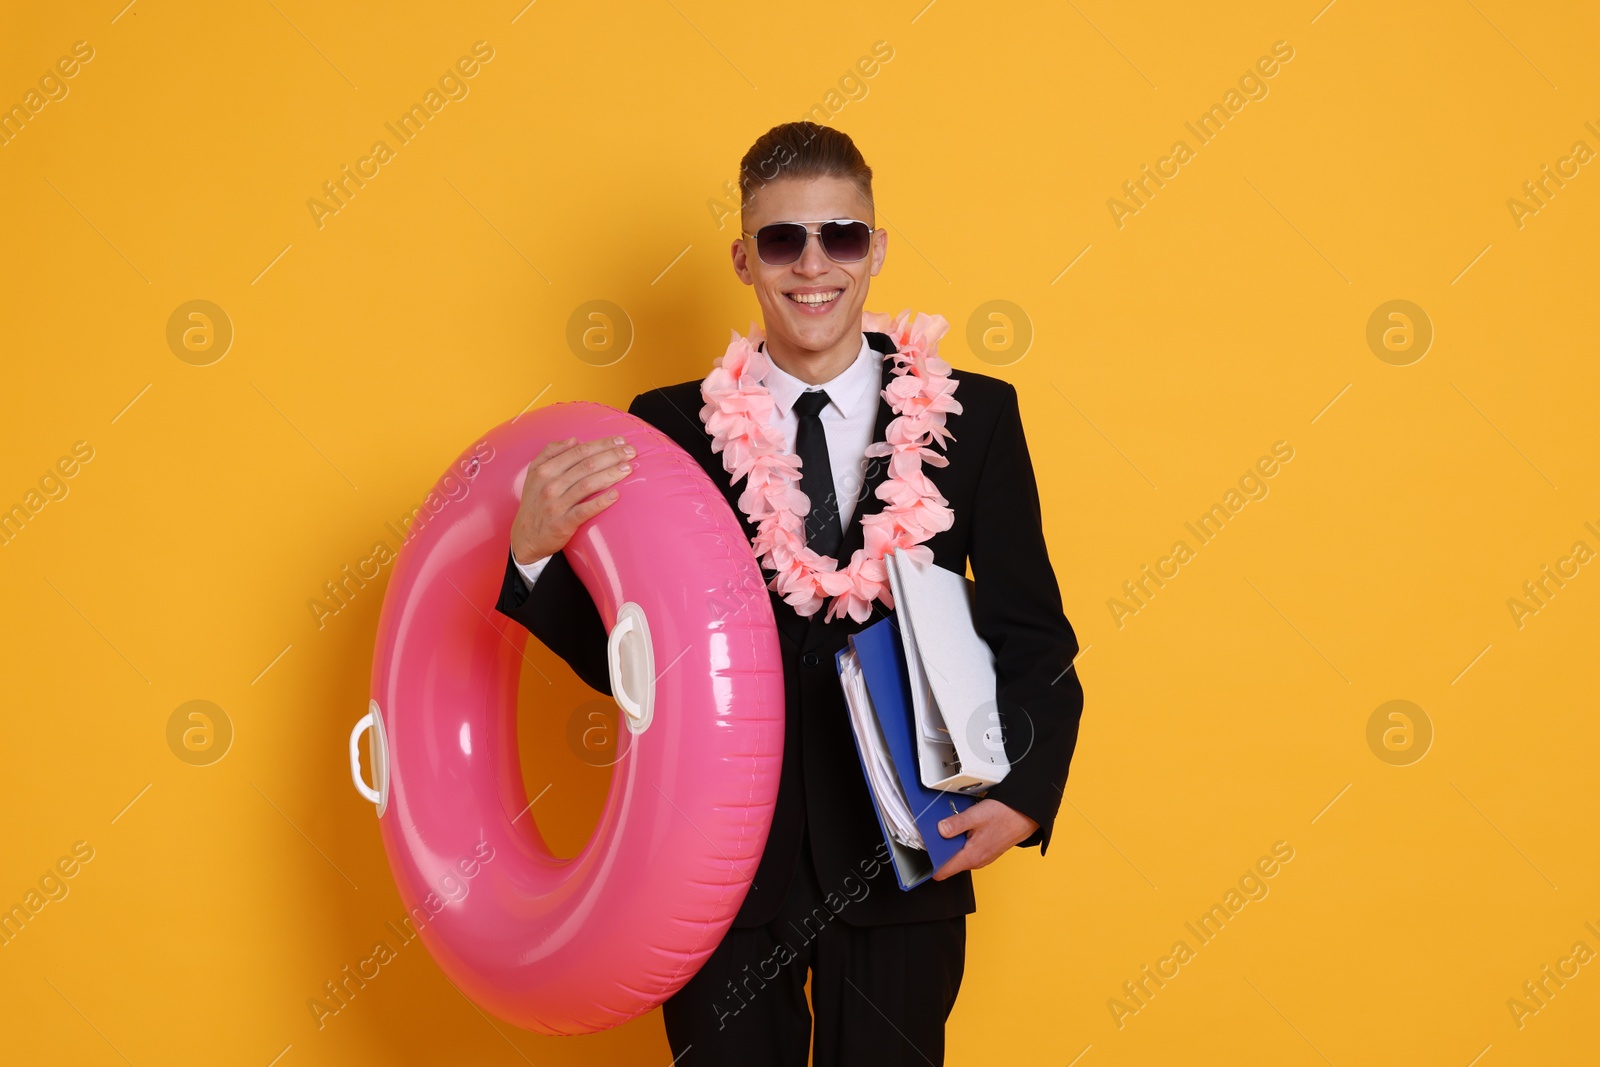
[[593, 483], [961, 861], [989, 827], [960, 822], [555, 461], [556, 446], [564, 471], [557, 456], [566, 486], [549, 451], [974, 854], [587, 510]]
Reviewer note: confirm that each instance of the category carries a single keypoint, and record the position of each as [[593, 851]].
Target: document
[[886, 791], [873, 677], [960, 742]]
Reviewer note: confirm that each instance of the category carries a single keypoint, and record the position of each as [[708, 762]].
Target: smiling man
[[884, 964]]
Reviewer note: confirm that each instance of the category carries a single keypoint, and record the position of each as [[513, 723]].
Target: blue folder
[[881, 655]]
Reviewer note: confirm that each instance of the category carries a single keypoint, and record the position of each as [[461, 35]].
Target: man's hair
[[801, 150]]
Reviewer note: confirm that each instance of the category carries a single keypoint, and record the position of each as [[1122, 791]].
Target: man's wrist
[[530, 572], [526, 554]]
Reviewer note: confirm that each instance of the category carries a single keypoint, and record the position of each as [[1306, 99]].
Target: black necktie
[[824, 532]]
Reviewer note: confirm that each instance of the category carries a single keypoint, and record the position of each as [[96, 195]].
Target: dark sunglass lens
[[780, 243], [846, 242]]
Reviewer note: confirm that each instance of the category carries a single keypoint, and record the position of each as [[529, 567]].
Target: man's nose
[[813, 260]]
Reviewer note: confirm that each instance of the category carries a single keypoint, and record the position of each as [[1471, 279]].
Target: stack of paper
[[875, 759]]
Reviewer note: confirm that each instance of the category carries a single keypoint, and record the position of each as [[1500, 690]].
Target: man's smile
[[815, 299]]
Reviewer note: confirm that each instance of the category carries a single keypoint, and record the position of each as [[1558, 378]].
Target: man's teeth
[[814, 298]]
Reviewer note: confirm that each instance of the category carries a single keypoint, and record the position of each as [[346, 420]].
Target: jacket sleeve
[[559, 611], [1017, 610]]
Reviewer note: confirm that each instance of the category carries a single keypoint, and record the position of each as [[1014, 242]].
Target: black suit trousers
[[881, 993]]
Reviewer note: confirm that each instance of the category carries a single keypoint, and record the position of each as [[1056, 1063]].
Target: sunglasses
[[782, 243]]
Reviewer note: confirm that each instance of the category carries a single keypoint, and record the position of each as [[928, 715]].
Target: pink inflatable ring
[[578, 945]]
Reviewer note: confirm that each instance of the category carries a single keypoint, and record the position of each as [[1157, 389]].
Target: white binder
[[960, 743]]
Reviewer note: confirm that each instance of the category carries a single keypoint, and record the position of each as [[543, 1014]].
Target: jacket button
[[810, 659]]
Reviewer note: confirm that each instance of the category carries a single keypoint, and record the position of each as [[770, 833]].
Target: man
[[885, 964]]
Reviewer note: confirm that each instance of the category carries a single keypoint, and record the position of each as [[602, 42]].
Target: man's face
[[842, 287]]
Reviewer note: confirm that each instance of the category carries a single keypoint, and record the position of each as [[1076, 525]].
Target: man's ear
[[741, 263], [880, 249]]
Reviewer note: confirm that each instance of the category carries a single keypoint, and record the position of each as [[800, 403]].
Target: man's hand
[[563, 491], [991, 828]]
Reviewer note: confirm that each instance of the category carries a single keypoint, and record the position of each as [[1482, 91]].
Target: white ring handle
[[377, 755], [632, 662]]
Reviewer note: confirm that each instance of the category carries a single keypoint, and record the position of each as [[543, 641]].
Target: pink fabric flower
[[737, 413]]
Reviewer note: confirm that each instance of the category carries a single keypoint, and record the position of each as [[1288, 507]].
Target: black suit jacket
[[822, 792]]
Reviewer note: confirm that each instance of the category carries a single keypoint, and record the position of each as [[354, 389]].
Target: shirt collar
[[848, 390]]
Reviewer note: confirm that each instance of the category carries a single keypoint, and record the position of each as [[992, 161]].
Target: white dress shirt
[[848, 421]]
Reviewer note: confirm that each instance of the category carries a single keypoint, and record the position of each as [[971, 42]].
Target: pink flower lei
[[736, 414]]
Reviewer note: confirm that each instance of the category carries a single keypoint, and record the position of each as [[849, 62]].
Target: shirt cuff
[[530, 571]]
